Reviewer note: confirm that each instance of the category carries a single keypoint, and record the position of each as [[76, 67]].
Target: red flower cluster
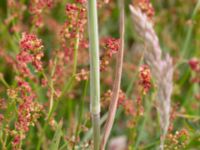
[[105, 100], [73, 28], [83, 75], [145, 78], [194, 64], [134, 109], [128, 106], [30, 42], [111, 46], [36, 8], [38, 5], [28, 111], [178, 139], [122, 98], [31, 52], [15, 14], [146, 7]]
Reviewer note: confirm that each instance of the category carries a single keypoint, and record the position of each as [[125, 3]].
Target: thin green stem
[[52, 105], [189, 32], [76, 53], [45, 126], [52, 87], [94, 71], [81, 110], [188, 116], [141, 130], [4, 81], [88, 135]]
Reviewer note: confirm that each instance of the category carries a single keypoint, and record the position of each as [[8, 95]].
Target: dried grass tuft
[[161, 67]]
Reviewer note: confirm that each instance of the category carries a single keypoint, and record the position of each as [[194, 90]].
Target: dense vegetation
[[60, 69]]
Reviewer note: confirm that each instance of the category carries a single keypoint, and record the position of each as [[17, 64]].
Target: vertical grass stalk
[[94, 71]]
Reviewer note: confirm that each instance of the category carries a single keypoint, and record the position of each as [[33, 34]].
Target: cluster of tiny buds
[[130, 107], [31, 52], [133, 109], [146, 7], [36, 8], [106, 98], [15, 14], [83, 75], [76, 17], [74, 28], [194, 64], [176, 141], [145, 78], [30, 42], [110, 46], [28, 111]]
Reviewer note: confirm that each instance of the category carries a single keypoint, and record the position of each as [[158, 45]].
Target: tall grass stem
[[94, 71]]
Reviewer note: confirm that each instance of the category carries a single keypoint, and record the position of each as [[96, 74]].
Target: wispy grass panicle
[[161, 68]]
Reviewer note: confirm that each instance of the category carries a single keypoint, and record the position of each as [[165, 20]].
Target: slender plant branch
[[52, 87], [76, 53], [81, 111], [189, 31], [4, 81], [94, 71], [188, 116], [117, 82]]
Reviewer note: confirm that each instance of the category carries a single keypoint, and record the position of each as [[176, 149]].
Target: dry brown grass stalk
[[117, 82]]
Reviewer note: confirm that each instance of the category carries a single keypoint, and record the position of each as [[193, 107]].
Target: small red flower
[[112, 45], [146, 7], [194, 64], [16, 140], [129, 107], [30, 42], [30, 52], [145, 78]]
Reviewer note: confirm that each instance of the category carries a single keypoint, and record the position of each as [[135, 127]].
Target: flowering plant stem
[[94, 71]]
